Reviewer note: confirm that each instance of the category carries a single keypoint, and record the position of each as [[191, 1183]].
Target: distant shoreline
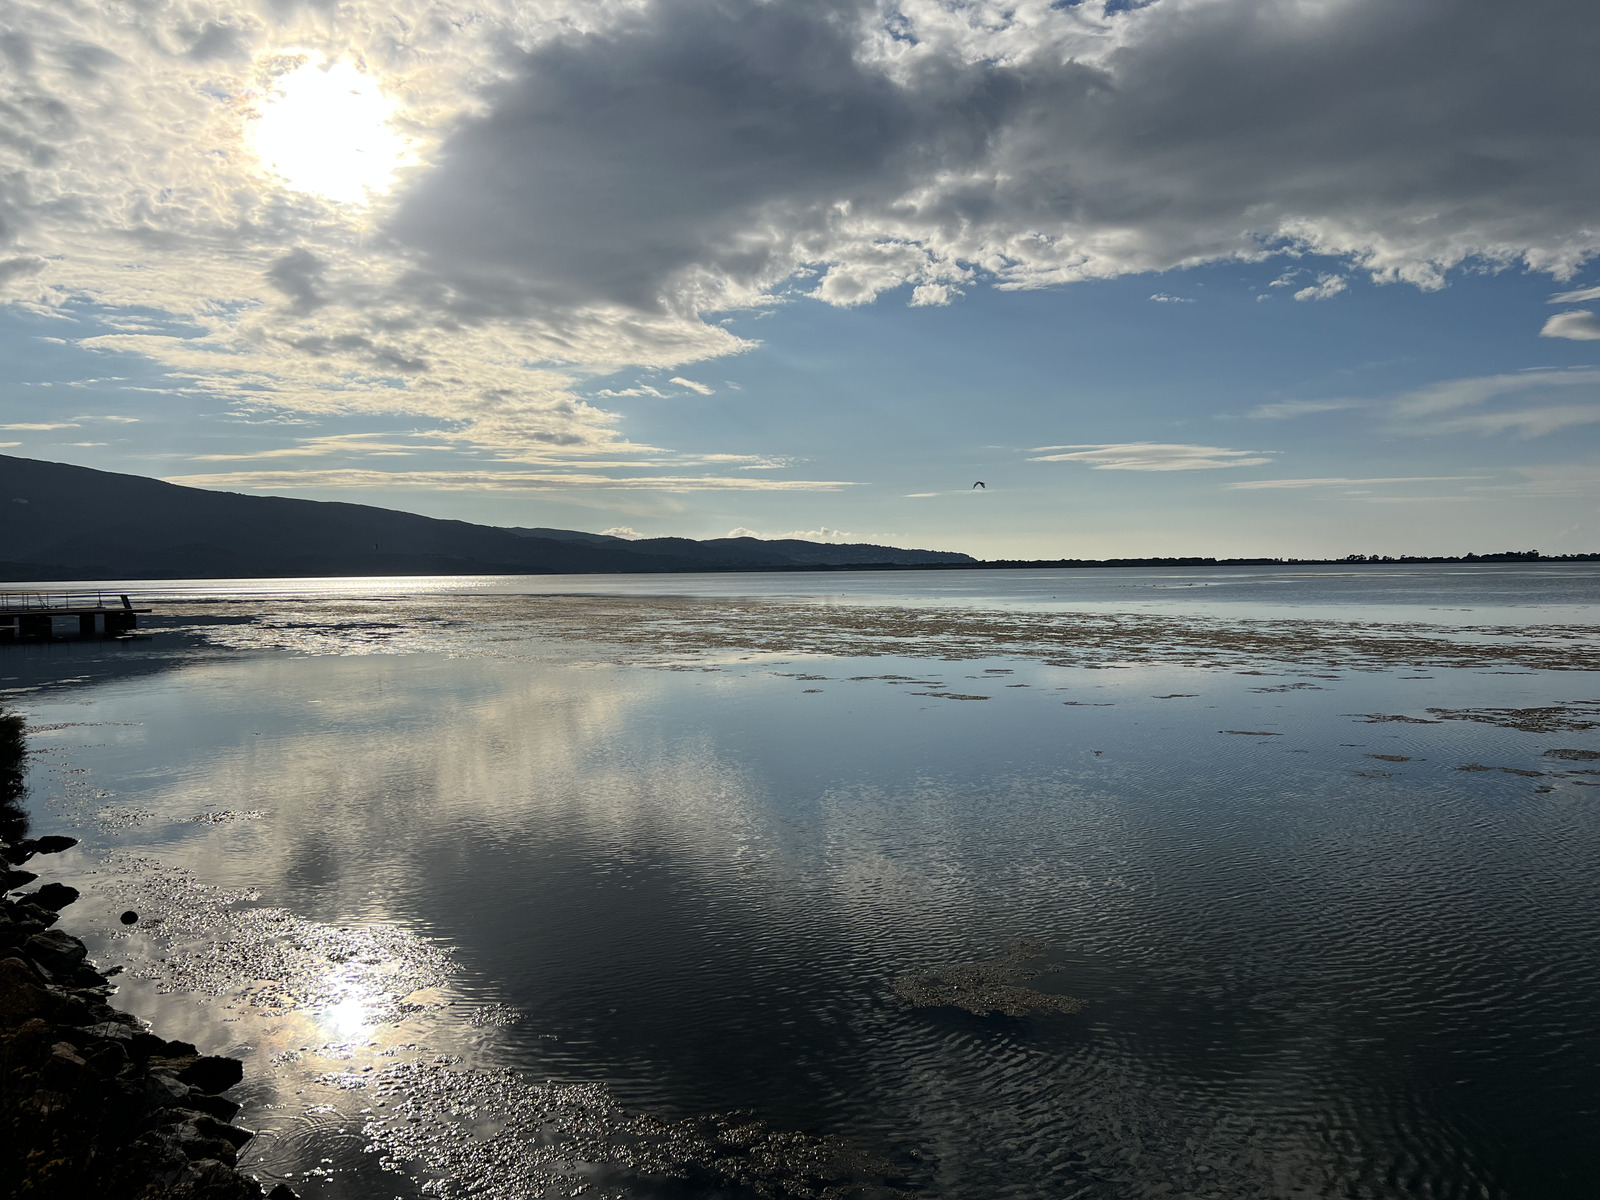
[[34, 573]]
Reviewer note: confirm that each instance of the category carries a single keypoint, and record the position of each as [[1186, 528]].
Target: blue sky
[[1204, 277]]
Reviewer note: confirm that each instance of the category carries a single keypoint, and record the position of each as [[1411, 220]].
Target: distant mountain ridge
[[787, 552], [60, 522]]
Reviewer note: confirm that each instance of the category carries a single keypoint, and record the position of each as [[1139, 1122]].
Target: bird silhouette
[[981, 484]]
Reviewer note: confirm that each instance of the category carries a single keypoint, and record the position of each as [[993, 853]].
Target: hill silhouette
[[60, 522]]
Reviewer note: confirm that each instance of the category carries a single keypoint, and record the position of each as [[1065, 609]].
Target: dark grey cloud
[[218, 40], [301, 276], [695, 135], [699, 149]]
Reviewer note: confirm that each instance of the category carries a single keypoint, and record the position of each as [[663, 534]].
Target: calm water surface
[[412, 881]]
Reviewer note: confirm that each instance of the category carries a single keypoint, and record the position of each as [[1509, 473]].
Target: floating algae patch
[[494, 1135], [986, 987], [1573, 716], [662, 631], [1574, 755]]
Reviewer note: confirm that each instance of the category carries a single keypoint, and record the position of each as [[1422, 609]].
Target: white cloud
[[8, 445], [1578, 324], [1339, 481], [352, 444], [1326, 287], [41, 426], [1455, 394], [1513, 403], [1285, 409], [933, 295], [1153, 456], [1525, 422], [622, 531], [820, 534], [692, 385], [638, 389], [745, 151], [1577, 297], [1163, 298], [497, 481]]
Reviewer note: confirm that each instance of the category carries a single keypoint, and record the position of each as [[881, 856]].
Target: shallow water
[[1503, 593], [418, 859]]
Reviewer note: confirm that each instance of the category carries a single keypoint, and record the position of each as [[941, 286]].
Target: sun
[[327, 129]]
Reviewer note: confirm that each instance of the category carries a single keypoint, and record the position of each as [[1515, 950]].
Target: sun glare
[[325, 129]]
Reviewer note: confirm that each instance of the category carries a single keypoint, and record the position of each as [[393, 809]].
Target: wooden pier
[[32, 616]]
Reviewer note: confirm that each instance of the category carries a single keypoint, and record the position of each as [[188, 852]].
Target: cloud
[[1578, 324], [1163, 298], [820, 534], [622, 531], [8, 445], [1326, 286], [1457, 405], [497, 481], [353, 444], [42, 426], [1282, 410], [1577, 297], [1338, 481], [596, 182], [1153, 456], [692, 385], [1525, 422]]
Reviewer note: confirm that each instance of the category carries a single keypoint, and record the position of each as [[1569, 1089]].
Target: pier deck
[[32, 616]]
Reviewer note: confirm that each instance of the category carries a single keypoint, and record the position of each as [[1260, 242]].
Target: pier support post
[[120, 622], [34, 627], [86, 625]]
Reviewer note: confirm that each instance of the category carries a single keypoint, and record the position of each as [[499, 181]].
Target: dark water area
[[494, 909]]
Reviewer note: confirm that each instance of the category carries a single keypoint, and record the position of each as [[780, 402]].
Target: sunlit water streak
[[1317, 956]]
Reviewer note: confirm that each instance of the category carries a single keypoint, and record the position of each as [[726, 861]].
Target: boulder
[[214, 1128], [211, 1073], [64, 1071], [219, 1107], [21, 994], [57, 952], [52, 896], [163, 1091]]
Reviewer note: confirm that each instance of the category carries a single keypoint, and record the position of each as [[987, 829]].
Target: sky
[[1186, 277]]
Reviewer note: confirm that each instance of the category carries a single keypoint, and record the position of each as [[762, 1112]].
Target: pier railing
[[33, 616], [59, 602]]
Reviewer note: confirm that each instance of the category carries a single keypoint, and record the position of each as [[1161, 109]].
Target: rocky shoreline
[[91, 1102]]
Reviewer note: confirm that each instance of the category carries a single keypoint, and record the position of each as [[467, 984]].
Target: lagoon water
[[515, 887]]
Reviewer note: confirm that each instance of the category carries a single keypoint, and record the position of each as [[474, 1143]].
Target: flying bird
[[981, 484]]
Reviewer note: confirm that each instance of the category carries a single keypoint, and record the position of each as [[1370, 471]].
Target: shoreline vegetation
[[91, 1102]]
